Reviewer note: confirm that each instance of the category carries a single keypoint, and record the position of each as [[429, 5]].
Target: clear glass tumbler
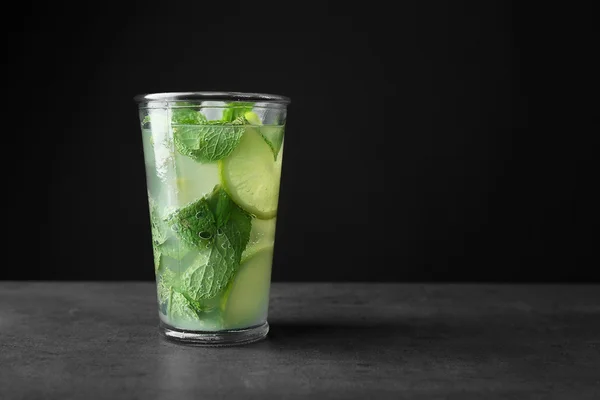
[[213, 167]]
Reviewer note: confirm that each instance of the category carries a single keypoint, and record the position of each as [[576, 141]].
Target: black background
[[441, 141]]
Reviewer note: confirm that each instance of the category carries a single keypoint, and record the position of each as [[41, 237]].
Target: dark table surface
[[351, 341]]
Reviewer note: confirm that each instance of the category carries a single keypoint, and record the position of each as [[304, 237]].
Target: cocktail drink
[[213, 167]]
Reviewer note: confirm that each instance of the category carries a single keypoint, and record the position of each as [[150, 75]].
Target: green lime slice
[[253, 118], [248, 300], [262, 235], [251, 177]]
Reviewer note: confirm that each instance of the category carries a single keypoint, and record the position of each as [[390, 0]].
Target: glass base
[[231, 337]]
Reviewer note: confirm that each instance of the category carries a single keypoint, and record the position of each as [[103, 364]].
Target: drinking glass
[[213, 167]]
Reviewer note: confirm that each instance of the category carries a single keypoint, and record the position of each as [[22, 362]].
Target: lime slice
[[253, 118], [248, 300], [251, 177], [262, 235]]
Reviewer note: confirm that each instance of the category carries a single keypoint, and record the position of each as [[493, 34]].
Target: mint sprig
[[236, 110], [187, 116], [210, 142], [176, 302], [165, 282], [193, 224], [219, 231], [158, 232], [179, 307], [207, 141]]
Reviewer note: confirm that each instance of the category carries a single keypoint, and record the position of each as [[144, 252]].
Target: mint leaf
[[176, 303], [207, 278], [273, 135], [207, 143], [221, 205], [165, 282], [201, 279], [157, 257], [157, 226], [187, 116], [220, 237], [180, 307], [236, 110], [193, 224], [158, 232], [236, 230]]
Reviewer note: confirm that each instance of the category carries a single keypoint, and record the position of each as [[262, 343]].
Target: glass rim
[[168, 97]]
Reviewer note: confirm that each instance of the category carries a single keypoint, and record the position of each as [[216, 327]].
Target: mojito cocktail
[[213, 168]]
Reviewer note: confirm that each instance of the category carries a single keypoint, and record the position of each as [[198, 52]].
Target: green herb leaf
[[158, 231], [193, 224], [221, 251], [180, 307], [207, 143], [221, 205], [157, 257], [236, 110], [157, 226], [187, 116], [165, 281]]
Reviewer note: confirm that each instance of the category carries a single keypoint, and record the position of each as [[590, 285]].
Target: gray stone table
[[327, 341]]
